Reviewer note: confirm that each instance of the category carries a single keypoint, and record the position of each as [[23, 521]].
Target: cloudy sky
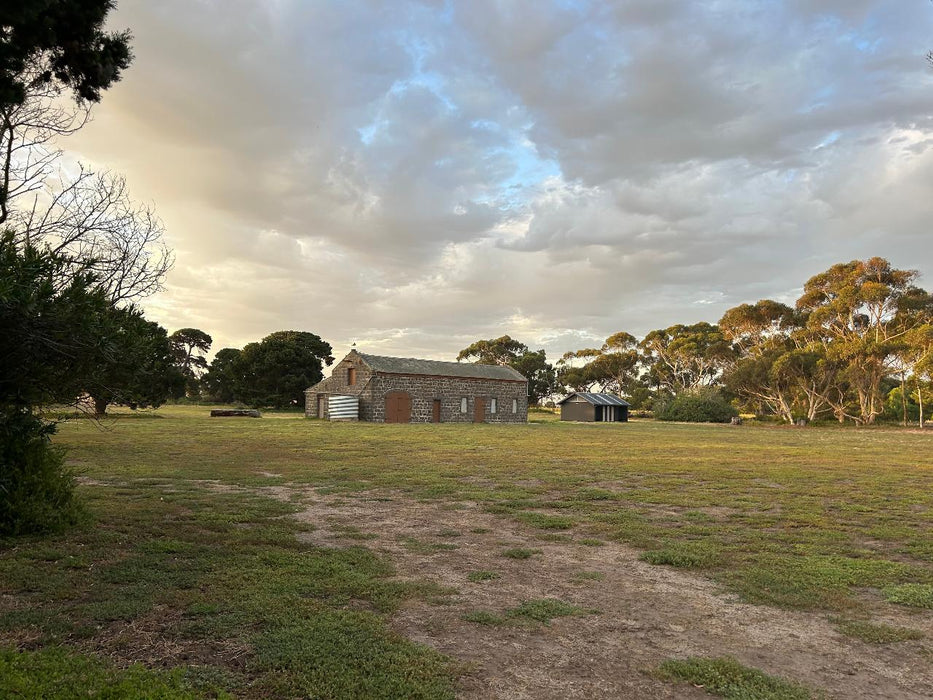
[[412, 176]]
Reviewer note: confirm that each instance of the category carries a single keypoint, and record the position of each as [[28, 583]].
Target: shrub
[[36, 489], [706, 407]]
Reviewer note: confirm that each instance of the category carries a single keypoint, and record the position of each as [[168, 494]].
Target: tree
[[498, 351], [277, 370], [540, 374], [189, 345], [224, 379], [683, 358], [59, 43], [614, 367], [136, 367], [507, 352], [861, 312], [49, 341]]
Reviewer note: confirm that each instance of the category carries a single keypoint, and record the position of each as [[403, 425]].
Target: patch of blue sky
[[829, 140], [820, 98]]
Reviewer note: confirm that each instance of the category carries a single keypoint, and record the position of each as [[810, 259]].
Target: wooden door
[[321, 405], [436, 414], [398, 407], [479, 410]]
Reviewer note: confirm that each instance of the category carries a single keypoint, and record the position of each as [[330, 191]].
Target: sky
[[411, 176]]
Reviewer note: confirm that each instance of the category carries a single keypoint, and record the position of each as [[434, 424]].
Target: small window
[[351, 376], [493, 405], [463, 404], [514, 405]]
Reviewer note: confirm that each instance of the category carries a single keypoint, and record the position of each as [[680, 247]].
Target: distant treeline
[[856, 346]]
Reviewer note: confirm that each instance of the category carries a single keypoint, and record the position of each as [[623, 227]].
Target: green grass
[[874, 633], [478, 576], [484, 617], [545, 610], [728, 678], [55, 673], [520, 552], [536, 611], [200, 572], [914, 595], [816, 519], [586, 576]]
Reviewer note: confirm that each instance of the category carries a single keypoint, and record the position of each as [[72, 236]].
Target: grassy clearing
[[808, 519], [795, 518], [217, 582], [728, 678]]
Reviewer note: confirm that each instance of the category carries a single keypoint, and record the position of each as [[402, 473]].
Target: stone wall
[[450, 390], [336, 383]]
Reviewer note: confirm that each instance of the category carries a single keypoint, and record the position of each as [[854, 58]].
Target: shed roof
[[597, 399], [409, 365]]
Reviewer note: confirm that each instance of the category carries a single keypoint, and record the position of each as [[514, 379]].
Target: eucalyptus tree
[[685, 358], [862, 312]]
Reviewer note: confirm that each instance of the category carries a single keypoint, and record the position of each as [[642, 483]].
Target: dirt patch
[[646, 613]]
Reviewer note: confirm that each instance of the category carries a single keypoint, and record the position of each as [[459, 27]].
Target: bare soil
[[647, 613]]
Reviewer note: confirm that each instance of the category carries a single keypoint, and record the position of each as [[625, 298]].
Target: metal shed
[[591, 407]]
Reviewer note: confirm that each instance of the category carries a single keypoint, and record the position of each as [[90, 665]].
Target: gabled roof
[[597, 399], [436, 368]]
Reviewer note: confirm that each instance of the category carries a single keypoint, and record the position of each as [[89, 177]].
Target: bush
[[36, 489], [708, 407]]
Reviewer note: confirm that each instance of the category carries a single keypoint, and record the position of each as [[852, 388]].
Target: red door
[[398, 407], [436, 415], [479, 410]]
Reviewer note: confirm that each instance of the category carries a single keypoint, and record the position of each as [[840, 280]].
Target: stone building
[[405, 390]]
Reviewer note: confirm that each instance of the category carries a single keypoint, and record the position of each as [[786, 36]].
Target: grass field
[[192, 567]]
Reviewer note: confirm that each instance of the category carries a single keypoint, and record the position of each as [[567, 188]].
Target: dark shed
[[599, 408]]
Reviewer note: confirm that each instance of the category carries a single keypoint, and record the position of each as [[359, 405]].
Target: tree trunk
[[904, 397], [100, 407], [920, 400]]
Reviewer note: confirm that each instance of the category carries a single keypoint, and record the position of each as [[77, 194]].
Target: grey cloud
[[415, 175]]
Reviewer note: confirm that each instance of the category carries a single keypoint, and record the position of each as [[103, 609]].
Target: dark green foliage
[[223, 380], [48, 344], [36, 489], [189, 346], [728, 678], [704, 407], [64, 37], [512, 353], [50, 329], [137, 367], [274, 372]]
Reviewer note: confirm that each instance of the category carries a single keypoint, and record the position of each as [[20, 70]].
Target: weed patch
[[728, 678], [874, 633], [914, 595], [478, 576]]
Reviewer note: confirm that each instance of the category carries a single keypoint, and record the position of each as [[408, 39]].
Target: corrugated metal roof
[[409, 365], [598, 399]]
